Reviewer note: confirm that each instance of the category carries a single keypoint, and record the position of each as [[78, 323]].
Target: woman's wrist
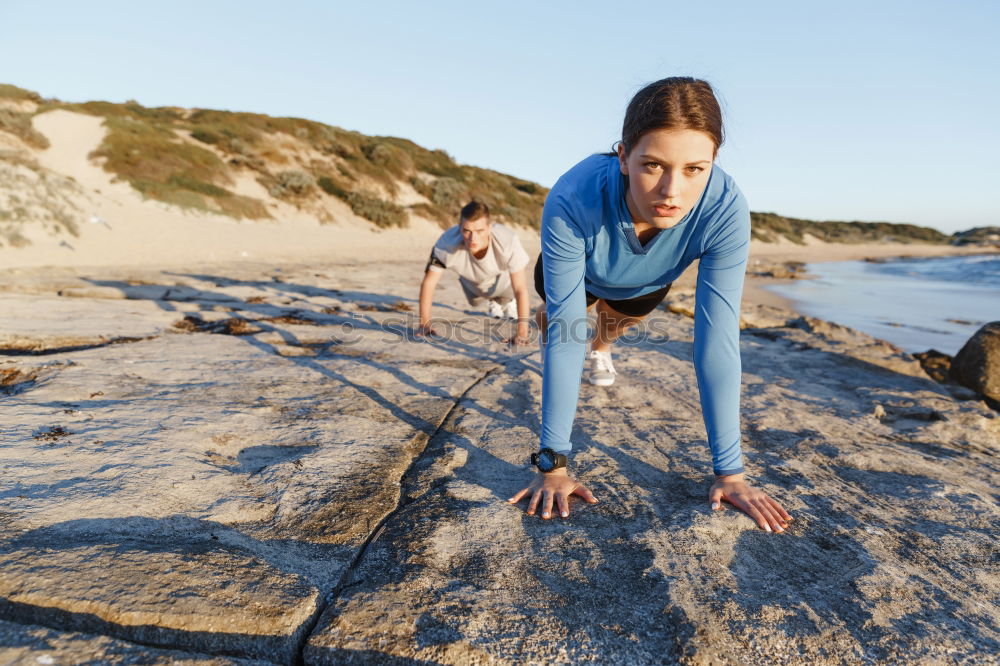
[[730, 477]]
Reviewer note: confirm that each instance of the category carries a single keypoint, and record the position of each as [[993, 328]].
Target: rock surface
[[259, 463], [977, 363], [27, 644]]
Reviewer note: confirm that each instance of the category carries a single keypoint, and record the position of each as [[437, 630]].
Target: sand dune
[[118, 227]]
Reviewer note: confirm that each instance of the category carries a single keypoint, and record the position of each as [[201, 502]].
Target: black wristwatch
[[547, 460]]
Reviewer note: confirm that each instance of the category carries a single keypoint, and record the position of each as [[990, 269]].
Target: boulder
[[977, 364]]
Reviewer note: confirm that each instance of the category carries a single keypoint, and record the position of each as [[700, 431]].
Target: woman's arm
[[717, 365], [563, 264], [563, 258], [717, 339]]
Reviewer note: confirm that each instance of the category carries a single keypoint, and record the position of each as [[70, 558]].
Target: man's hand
[[767, 513], [522, 336], [518, 340], [427, 330], [557, 485]]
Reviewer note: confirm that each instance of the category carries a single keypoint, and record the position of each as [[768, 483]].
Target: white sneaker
[[495, 310], [602, 370], [511, 310]]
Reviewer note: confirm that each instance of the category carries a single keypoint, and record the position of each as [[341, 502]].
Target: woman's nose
[[669, 186]]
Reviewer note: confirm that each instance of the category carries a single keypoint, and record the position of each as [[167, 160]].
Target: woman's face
[[667, 170]]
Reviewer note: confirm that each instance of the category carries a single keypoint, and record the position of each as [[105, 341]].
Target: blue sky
[[839, 111]]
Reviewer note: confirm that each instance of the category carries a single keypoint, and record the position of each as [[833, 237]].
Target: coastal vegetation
[[196, 159], [243, 164], [770, 227], [978, 236], [17, 105]]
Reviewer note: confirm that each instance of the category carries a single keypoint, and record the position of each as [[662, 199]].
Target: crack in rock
[[401, 504], [38, 348]]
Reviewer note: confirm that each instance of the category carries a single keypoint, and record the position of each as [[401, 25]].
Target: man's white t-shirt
[[504, 255]]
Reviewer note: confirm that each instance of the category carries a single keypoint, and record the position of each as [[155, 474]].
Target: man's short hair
[[473, 211]]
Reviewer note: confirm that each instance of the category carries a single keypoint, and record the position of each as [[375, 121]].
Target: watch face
[[546, 461]]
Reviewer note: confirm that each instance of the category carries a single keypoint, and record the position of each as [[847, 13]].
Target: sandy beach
[[222, 445]]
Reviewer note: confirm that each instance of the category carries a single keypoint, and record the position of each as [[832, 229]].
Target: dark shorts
[[640, 306]]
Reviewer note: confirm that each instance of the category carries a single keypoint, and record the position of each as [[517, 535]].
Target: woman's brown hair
[[677, 102]]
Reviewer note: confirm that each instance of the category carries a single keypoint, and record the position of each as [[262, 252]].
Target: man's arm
[[519, 282], [431, 278]]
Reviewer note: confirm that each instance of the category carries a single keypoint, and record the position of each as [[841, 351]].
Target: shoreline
[[756, 290], [391, 246]]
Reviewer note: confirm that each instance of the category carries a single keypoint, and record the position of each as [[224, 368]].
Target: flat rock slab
[[271, 467], [204, 488], [155, 585], [892, 556], [38, 324]]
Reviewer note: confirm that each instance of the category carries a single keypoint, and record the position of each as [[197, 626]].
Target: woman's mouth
[[666, 210]]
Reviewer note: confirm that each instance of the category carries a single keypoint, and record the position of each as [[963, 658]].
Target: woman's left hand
[[767, 513]]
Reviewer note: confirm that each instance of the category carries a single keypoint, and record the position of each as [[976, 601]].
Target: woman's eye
[[695, 169]]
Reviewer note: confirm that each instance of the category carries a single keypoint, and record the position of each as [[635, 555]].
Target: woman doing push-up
[[616, 231]]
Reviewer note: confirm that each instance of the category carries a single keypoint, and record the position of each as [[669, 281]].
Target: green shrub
[[13, 236], [389, 158], [526, 187], [239, 206], [519, 217], [359, 164], [8, 91], [291, 184], [332, 187], [156, 163], [438, 163], [19, 124], [227, 131], [204, 136], [172, 195], [422, 186], [383, 213], [449, 194], [435, 214], [137, 151], [161, 114], [201, 187]]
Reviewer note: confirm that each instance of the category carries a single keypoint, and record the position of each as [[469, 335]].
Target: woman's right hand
[[556, 485]]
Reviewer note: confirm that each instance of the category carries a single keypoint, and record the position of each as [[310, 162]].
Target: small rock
[[879, 412], [935, 364]]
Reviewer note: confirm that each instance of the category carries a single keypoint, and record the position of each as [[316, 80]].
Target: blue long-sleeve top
[[589, 244]]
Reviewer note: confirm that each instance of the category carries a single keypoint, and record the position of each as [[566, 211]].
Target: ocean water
[[917, 304]]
